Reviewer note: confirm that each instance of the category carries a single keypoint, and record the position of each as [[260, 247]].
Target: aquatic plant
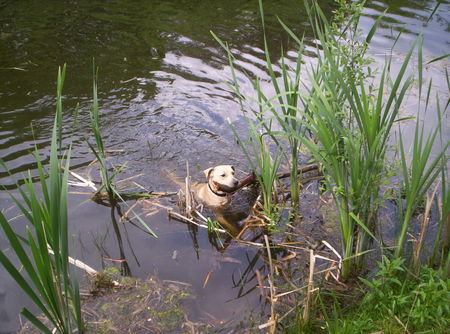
[[282, 104], [345, 121], [100, 153], [419, 172], [263, 163], [351, 123], [418, 177], [392, 302], [46, 278], [99, 150]]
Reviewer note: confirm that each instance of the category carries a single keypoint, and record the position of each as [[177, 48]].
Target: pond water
[[164, 101]]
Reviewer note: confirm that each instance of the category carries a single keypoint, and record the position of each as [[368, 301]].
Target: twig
[[178, 216], [426, 219], [82, 179], [127, 81], [82, 266], [291, 291]]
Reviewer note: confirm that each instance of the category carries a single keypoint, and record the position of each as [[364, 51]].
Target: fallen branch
[[82, 266], [300, 170]]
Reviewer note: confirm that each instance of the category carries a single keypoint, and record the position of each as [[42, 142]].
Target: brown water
[[164, 101]]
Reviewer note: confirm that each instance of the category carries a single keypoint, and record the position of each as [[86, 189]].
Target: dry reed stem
[[273, 317], [188, 193], [309, 295], [270, 323], [260, 280], [124, 216], [425, 221], [339, 257], [85, 182], [291, 291], [131, 178]]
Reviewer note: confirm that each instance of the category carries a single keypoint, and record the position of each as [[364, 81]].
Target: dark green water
[[164, 101]]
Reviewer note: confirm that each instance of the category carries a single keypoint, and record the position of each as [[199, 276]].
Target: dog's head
[[221, 179]]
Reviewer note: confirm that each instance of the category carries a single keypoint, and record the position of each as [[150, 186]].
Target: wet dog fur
[[221, 182]]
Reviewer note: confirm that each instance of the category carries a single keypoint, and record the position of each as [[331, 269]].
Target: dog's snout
[[235, 182]]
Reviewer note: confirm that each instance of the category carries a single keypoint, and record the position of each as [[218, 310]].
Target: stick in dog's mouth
[[226, 189], [249, 179]]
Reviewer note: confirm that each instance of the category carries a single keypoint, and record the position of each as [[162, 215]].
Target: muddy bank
[[136, 306]]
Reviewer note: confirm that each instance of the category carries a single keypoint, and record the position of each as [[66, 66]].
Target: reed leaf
[[46, 279]]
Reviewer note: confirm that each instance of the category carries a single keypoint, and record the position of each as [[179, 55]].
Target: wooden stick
[[300, 170], [82, 179], [81, 265]]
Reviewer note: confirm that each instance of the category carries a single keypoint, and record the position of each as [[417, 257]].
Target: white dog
[[221, 183]]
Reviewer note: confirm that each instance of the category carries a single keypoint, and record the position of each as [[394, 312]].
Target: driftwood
[[300, 170], [251, 178]]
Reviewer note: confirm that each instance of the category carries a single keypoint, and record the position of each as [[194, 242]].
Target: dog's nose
[[236, 182]]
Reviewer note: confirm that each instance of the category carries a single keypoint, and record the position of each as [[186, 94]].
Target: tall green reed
[[418, 177], [282, 104], [47, 279], [263, 163], [345, 120], [350, 124], [440, 255], [99, 151], [287, 97], [352, 121], [261, 137]]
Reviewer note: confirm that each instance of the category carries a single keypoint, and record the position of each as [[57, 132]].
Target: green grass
[[394, 301], [43, 254]]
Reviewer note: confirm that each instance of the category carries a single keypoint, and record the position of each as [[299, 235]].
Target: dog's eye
[[223, 175]]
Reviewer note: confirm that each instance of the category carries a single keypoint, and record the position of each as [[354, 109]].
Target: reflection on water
[[164, 101]]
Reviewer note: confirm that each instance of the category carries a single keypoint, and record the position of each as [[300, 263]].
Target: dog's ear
[[208, 172]]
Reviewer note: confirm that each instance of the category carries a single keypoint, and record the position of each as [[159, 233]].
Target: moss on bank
[[137, 306]]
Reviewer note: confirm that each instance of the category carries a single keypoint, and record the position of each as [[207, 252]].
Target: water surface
[[164, 101]]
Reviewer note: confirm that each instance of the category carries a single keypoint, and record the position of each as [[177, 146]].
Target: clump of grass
[[345, 121], [342, 123], [418, 177], [350, 124], [46, 277], [411, 304], [395, 302]]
